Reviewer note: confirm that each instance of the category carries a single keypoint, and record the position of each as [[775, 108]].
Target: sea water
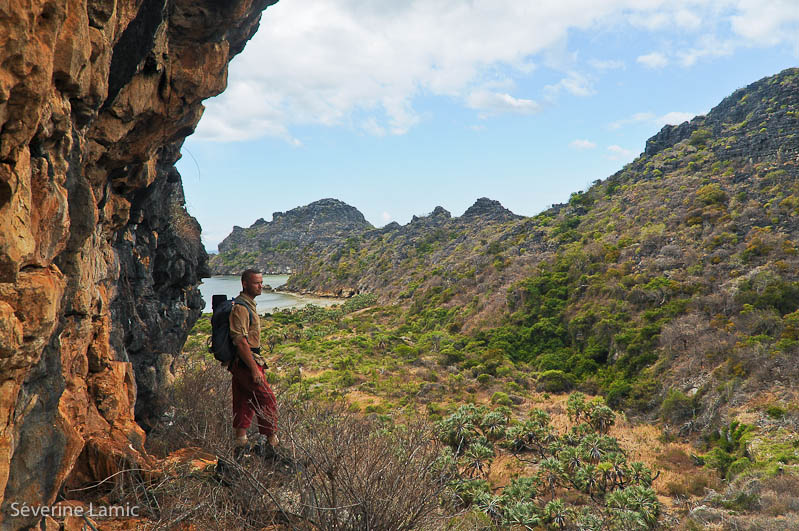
[[230, 286]]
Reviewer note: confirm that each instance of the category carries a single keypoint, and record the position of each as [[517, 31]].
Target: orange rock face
[[99, 260]]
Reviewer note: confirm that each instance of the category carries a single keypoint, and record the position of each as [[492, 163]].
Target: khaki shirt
[[240, 325]]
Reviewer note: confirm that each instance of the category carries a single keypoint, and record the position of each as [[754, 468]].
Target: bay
[[230, 285]]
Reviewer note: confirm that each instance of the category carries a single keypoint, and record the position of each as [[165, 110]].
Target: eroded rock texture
[[98, 257], [278, 246]]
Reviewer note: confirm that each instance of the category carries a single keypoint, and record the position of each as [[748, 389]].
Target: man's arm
[[239, 328], [245, 354]]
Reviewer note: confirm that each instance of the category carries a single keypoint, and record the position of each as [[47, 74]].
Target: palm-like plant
[[551, 473], [643, 501], [588, 478], [477, 459], [602, 418], [493, 425], [584, 458], [576, 407], [458, 430], [588, 521], [491, 505], [605, 470], [522, 514], [619, 468], [571, 458], [557, 513], [593, 448], [640, 474], [522, 489]]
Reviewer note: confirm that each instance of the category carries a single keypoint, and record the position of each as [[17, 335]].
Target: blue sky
[[397, 107]]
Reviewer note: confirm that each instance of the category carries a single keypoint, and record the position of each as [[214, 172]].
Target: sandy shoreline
[[309, 299]]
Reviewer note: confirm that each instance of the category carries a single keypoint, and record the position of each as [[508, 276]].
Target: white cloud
[[650, 20], [707, 47], [668, 17], [363, 63], [619, 153], [675, 118], [582, 144], [767, 23], [386, 216], [653, 60], [670, 118], [610, 64], [246, 111], [687, 19], [493, 103], [371, 126], [575, 83], [636, 118]]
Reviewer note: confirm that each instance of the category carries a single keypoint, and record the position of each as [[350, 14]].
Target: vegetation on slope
[[498, 467], [518, 443], [677, 274], [671, 289]]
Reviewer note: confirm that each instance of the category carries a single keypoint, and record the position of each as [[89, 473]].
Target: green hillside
[[679, 271], [623, 361]]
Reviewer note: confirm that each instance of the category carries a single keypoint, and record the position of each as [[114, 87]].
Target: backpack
[[220, 343]]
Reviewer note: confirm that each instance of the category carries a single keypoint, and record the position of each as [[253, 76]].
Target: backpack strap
[[249, 310]]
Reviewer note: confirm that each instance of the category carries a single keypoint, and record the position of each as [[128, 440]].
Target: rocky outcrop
[[99, 260], [277, 247], [489, 210], [161, 261], [438, 216], [395, 261], [752, 121]]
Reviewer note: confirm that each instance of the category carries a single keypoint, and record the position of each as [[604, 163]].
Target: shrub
[[617, 393], [501, 399], [737, 467], [555, 381], [775, 411], [711, 194], [699, 137], [767, 290], [677, 407], [360, 474], [484, 379], [599, 488], [358, 302], [335, 469], [451, 356]]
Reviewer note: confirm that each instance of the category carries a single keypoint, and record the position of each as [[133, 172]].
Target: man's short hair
[[248, 273]]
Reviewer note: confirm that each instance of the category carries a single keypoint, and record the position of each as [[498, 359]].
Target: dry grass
[[334, 470]]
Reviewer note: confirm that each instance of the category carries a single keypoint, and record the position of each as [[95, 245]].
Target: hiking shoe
[[240, 452], [264, 450], [241, 449]]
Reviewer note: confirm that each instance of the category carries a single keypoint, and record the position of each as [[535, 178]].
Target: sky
[[398, 107]]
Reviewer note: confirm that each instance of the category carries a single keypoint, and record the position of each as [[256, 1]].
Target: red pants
[[250, 399]]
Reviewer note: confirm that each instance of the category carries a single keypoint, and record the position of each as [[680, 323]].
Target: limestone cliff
[[99, 260]]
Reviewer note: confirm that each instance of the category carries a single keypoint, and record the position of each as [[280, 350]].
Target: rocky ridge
[[743, 152], [99, 260], [384, 261], [277, 247]]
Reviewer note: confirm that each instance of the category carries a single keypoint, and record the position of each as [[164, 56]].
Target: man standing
[[252, 395]]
